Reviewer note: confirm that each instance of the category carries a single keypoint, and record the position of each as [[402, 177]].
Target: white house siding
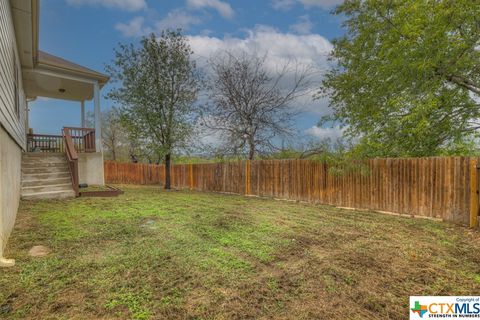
[[12, 125], [10, 180]]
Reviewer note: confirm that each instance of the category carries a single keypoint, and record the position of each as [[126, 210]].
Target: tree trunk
[[251, 152], [133, 158], [167, 171]]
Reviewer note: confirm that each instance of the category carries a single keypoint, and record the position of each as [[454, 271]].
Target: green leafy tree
[[407, 81], [156, 91]]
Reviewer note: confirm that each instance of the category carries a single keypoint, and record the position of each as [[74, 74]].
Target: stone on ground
[[39, 251]]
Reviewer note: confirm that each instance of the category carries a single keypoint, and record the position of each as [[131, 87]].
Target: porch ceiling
[[55, 77], [38, 84]]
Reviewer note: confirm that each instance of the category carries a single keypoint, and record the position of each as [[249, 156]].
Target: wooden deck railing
[[83, 138], [44, 143], [72, 157]]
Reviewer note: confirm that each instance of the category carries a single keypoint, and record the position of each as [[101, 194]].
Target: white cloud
[[288, 4], [173, 20], [325, 4], [134, 28], [332, 133], [312, 49], [127, 5], [206, 32], [318, 107], [304, 49], [283, 4], [177, 19], [223, 8], [208, 137], [307, 50], [303, 26]]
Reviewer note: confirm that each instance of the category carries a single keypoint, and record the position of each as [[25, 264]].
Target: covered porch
[[57, 78]]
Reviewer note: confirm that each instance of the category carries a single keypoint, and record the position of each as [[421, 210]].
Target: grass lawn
[[151, 254]]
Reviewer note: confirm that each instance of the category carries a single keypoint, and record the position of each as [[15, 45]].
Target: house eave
[[102, 79], [45, 74]]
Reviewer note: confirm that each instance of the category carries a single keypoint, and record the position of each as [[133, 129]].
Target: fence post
[[191, 175], [247, 177], [473, 193]]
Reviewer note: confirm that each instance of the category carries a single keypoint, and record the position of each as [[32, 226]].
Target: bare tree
[[116, 142], [113, 133], [251, 106]]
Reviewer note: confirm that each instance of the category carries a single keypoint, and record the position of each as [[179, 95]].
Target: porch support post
[[27, 117], [98, 127], [82, 105]]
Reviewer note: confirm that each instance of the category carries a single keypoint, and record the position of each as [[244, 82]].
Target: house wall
[[90, 168], [12, 124], [12, 119], [10, 183]]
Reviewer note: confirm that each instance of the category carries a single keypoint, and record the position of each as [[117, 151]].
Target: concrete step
[[53, 187], [44, 164], [42, 154], [48, 175], [38, 170], [62, 194], [43, 159], [46, 182]]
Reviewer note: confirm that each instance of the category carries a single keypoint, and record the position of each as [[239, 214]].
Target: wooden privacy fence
[[436, 187]]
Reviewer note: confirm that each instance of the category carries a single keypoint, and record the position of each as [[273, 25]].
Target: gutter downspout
[[5, 263]]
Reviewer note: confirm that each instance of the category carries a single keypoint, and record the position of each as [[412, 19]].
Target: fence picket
[[433, 187]]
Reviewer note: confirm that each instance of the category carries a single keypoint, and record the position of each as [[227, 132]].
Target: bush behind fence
[[437, 187]]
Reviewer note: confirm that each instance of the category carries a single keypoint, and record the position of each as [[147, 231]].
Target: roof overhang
[[44, 83], [58, 78], [44, 74], [52, 63]]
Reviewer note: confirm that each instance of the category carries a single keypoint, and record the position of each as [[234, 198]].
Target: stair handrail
[[83, 139], [72, 157]]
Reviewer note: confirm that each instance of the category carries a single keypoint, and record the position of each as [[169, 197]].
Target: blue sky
[[86, 31]]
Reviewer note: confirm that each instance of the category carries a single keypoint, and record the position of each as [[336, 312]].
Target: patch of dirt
[[68, 302], [230, 219], [100, 252], [39, 251]]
